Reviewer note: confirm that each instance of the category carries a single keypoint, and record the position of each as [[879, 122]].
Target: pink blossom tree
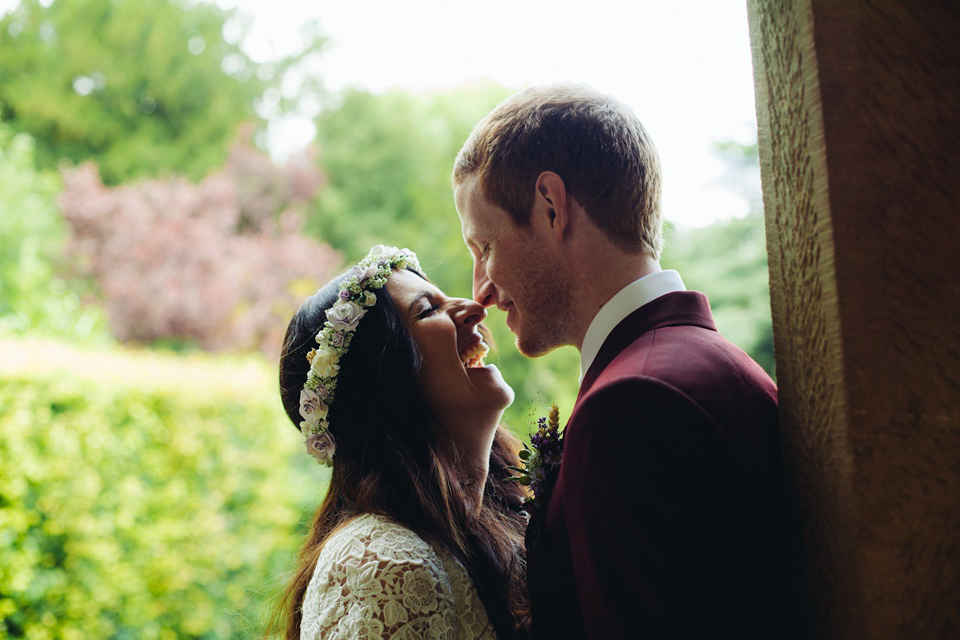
[[221, 264]]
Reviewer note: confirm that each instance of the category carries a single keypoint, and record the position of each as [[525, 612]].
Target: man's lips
[[510, 314]]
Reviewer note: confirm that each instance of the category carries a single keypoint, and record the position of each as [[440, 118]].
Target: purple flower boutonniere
[[542, 461]]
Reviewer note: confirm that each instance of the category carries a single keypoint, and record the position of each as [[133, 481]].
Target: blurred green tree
[[387, 159], [143, 88], [33, 295]]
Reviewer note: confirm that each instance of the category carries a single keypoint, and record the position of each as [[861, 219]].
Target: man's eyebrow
[[471, 232], [472, 238]]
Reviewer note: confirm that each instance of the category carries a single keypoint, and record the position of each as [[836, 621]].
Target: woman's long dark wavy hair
[[388, 462]]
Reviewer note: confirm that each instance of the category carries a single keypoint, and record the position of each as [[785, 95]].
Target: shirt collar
[[626, 301]]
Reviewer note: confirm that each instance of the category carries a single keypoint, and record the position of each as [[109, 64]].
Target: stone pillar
[[858, 108]]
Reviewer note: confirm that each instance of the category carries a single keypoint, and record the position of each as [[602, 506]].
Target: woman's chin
[[508, 395], [502, 395]]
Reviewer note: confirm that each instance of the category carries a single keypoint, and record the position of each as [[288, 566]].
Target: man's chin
[[534, 347]]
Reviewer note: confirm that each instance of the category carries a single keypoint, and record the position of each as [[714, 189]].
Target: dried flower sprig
[[542, 462]]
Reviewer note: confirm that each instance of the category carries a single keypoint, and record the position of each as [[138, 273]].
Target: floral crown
[[354, 299]]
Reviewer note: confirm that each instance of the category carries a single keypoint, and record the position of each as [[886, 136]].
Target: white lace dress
[[378, 579]]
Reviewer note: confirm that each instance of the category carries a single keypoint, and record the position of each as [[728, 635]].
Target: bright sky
[[683, 66]]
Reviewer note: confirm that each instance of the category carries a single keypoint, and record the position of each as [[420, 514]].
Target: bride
[[420, 533]]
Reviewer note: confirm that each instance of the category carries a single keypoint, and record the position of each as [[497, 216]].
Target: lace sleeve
[[375, 579]]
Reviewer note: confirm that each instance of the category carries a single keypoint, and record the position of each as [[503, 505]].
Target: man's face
[[514, 269]]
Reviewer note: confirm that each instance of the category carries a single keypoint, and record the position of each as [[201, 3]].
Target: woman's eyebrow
[[420, 296]]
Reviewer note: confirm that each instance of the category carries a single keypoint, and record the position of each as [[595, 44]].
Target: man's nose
[[484, 292]]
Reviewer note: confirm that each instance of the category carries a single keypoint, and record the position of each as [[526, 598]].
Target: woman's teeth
[[472, 356]]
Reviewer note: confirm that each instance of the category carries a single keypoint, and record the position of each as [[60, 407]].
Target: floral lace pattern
[[378, 579]]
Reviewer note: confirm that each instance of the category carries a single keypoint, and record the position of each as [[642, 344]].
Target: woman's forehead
[[407, 285]]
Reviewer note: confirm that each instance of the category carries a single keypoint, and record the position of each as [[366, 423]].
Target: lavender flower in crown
[[542, 462]]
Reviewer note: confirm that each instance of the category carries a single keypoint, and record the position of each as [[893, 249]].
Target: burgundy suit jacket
[[666, 520]]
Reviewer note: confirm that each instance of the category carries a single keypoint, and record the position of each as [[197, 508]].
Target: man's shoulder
[[690, 365], [683, 355]]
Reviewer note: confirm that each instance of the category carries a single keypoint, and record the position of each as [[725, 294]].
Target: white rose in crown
[[381, 250], [312, 410], [322, 447], [369, 298], [345, 315], [325, 362], [363, 275]]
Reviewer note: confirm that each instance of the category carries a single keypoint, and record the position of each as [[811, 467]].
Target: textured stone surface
[[859, 138]]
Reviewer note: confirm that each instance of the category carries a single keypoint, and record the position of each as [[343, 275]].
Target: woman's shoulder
[[377, 577], [376, 537]]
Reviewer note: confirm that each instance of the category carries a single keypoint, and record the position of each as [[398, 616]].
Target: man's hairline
[[476, 190]]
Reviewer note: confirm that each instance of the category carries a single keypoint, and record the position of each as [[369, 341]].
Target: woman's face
[[466, 396]]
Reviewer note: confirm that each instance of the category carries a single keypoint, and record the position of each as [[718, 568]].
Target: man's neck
[[605, 277]]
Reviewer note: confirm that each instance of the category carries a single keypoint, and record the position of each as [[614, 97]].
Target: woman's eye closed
[[428, 311]]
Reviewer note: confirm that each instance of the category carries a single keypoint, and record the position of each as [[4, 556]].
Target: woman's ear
[[550, 205]]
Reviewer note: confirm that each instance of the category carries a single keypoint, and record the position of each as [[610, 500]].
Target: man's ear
[[550, 205]]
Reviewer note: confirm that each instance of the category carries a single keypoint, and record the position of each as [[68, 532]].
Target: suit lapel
[[671, 309]]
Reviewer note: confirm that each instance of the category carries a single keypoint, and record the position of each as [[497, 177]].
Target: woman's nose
[[469, 313]]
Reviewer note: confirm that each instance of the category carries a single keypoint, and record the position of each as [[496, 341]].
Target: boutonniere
[[541, 460]]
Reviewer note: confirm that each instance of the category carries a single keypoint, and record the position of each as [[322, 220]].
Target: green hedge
[[130, 511]]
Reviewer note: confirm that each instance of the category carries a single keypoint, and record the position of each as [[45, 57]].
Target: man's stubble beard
[[549, 312]]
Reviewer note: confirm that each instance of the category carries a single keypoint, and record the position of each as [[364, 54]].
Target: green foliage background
[[145, 506]]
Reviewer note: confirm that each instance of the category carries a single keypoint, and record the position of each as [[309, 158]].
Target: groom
[[666, 520]]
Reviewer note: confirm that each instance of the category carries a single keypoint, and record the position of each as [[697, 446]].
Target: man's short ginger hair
[[595, 143]]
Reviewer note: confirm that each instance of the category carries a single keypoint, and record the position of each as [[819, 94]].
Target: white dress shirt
[[626, 301]]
